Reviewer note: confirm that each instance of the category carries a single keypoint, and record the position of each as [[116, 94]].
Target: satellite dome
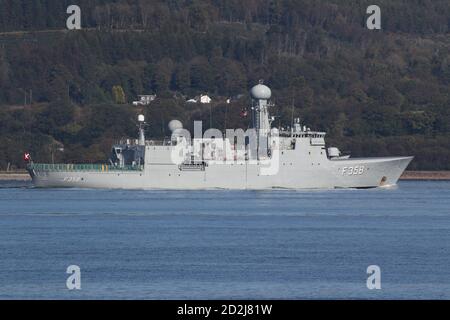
[[141, 118], [174, 125], [261, 91]]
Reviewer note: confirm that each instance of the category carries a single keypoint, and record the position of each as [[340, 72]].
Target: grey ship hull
[[325, 174]]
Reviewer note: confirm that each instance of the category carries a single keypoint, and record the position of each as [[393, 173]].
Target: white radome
[[175, 125], [141, 118], [261, 92]]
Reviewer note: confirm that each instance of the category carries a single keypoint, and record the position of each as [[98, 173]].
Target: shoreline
[[407, 175], [425, 175], [14, 176]]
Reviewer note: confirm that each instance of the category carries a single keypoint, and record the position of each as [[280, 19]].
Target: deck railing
[[83, 167]]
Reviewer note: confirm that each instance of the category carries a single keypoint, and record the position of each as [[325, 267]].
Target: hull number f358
[[351, 171]]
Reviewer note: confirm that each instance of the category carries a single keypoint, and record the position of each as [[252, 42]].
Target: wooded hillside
[[376, 92]]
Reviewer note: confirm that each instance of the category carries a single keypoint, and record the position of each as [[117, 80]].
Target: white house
[[202, 99], [144, 99], [205, 99]]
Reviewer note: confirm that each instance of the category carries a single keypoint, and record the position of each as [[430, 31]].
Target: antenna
[[210, 116], [292, 113], [225, 120], [141, 120]]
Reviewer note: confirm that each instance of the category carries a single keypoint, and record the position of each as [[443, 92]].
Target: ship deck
[[58, 167]]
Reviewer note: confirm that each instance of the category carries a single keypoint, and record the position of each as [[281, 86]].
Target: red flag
[[26, 157]]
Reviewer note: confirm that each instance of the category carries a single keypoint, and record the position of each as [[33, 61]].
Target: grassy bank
[[14, 175]]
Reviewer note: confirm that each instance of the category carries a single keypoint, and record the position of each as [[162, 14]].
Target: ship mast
[[141, 120], [260, 96]]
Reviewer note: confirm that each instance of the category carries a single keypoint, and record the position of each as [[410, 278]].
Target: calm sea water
[[225, 244]]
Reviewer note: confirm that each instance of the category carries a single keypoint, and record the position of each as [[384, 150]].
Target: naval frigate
[[266, 157]]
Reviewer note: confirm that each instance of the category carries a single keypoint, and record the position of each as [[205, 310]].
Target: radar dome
[[261, 91], [174, 125], [141, 118]]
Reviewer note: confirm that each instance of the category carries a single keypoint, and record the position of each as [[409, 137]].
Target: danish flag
[[243, 113], [26, 157]]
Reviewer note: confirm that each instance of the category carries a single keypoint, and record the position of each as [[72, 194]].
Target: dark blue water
[[225, 244]]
